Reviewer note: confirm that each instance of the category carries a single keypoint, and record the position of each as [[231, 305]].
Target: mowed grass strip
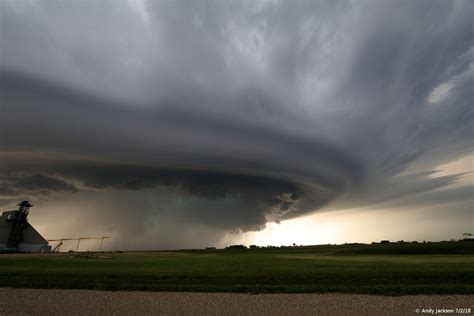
[[278, 270]]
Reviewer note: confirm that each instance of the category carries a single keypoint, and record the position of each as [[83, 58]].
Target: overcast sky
[[180, 123]]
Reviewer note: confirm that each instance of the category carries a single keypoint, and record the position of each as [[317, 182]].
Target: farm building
[[468, 237], [16, 234]]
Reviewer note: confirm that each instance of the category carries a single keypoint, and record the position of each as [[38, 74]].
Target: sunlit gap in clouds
[[373, 224]]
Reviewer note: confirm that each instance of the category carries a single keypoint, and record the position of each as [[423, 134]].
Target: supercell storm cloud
[[246, 112]]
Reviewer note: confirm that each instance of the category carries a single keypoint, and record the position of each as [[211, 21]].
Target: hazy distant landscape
[[387, 269]]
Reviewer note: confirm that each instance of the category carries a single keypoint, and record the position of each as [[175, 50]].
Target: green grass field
[[388, 269]]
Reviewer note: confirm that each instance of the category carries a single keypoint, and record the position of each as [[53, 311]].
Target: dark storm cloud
[[268, 188], [275, 108], [261, 197], [167, 135]]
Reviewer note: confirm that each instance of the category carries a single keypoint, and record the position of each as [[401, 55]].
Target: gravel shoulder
[[87, 302]]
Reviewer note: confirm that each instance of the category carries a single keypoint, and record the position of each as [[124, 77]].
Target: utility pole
[[78, 242]]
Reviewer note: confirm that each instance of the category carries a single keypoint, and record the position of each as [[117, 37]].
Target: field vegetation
[[388, 269]]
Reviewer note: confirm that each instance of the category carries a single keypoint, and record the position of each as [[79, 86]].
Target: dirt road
[[86, 302]]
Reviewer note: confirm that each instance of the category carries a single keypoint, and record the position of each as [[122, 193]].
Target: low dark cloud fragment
[[42, 182], [21, 186]]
